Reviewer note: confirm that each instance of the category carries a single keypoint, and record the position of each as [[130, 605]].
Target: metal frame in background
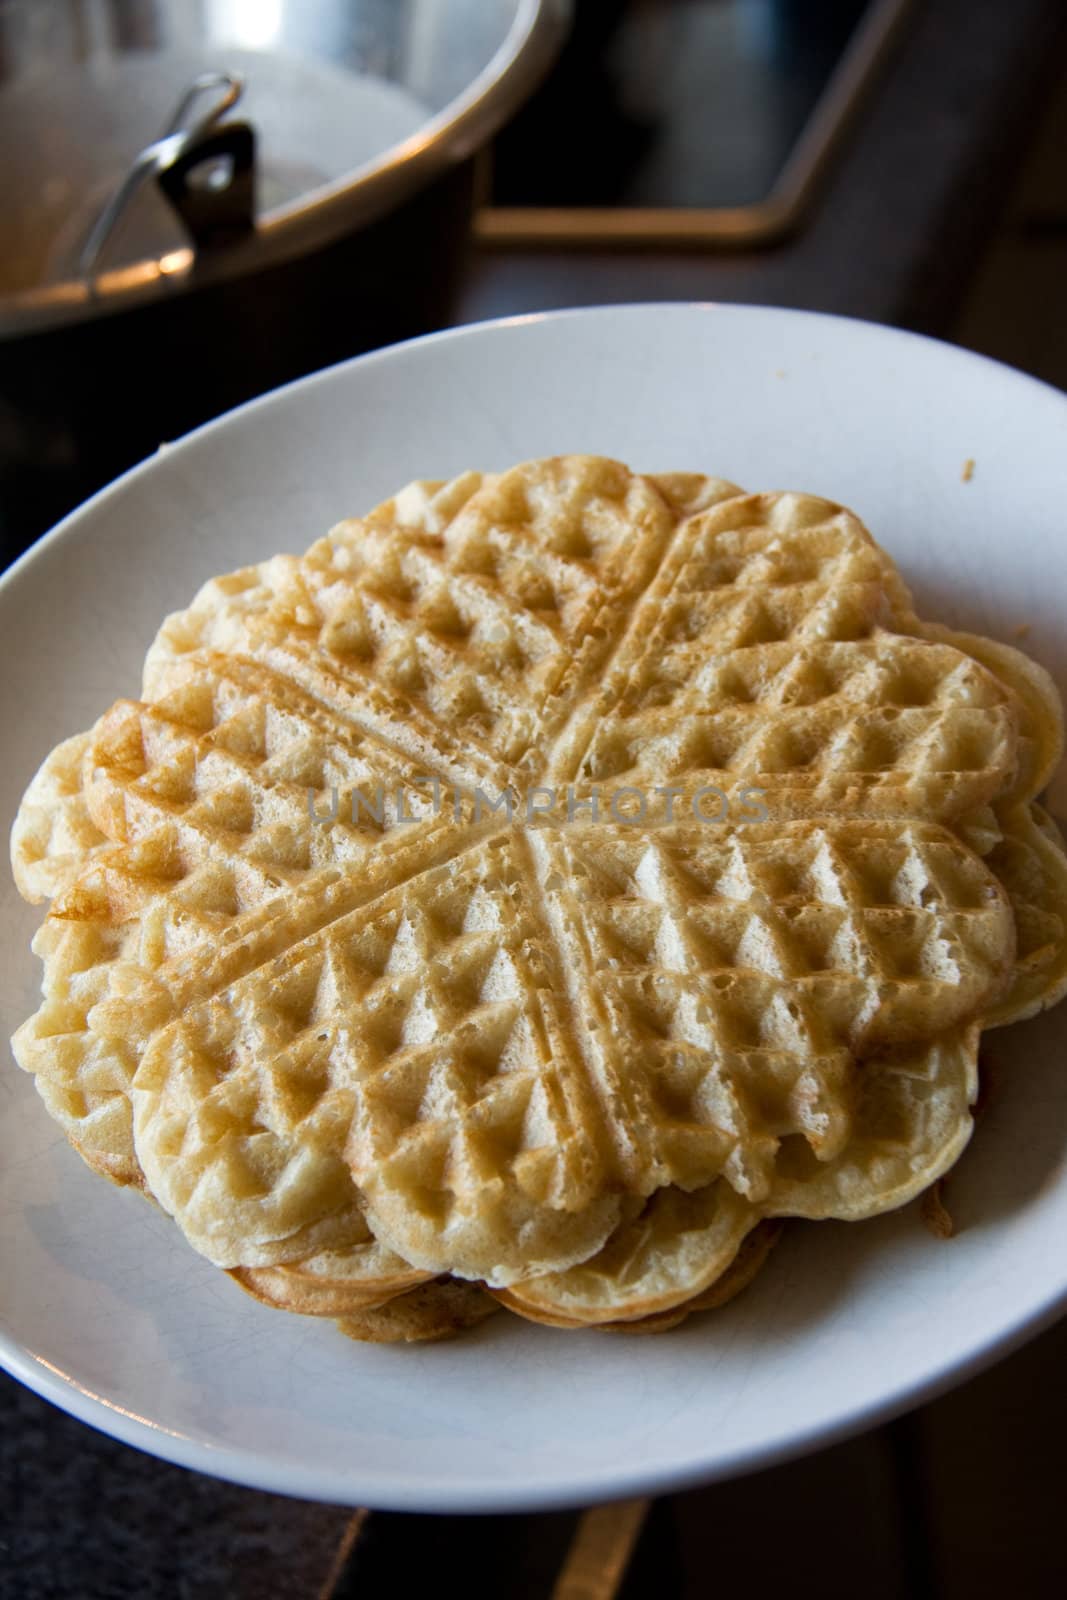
[[761, 223]]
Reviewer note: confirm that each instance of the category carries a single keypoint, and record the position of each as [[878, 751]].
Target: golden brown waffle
[[100, 1128], [434, 1311], [1041, 721], [677, 1247], [761, 656], [463, 620], [743, 1269], [1029, 861], [757, 656], [208, 821], [502, 1033], [722, 980], [328, 1287], [730, 977], [451, 1000], [354, 1276], [54, 835], [911, 1122], [545, 1307]]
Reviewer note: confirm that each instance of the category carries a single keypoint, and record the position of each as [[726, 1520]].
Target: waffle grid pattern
[[394, 999]]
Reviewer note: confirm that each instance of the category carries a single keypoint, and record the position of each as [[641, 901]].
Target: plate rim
[[405, 1491], [757, 310], [487, 1496]]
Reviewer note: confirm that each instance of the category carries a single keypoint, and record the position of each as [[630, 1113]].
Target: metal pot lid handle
[[214, 211], [212, 186]]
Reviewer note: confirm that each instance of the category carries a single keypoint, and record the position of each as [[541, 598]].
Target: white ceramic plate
[[104, 1309]]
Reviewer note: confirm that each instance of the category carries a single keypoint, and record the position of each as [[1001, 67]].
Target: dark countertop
[[965, 1495], [904, 214], [84, 1518], [963, 1498]]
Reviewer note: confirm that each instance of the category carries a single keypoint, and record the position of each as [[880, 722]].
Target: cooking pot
[[200, 199]]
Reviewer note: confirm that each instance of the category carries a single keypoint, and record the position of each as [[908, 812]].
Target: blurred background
[[201, 199]]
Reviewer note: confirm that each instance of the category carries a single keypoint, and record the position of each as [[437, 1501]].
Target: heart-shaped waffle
[[289, 931]]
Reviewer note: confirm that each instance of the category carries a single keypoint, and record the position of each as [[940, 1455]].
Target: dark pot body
[[80, 404]]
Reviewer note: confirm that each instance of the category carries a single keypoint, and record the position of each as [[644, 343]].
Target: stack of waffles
[[534, 893]]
